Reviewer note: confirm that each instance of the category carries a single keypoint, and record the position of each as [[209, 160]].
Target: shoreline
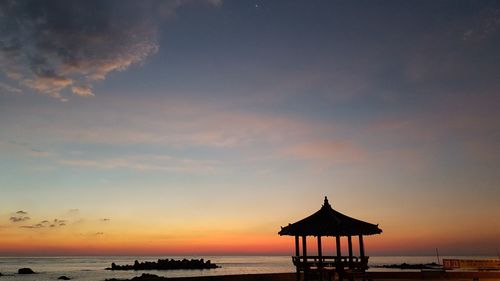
[[291, 276]]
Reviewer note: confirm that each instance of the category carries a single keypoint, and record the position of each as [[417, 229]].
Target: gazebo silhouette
[[328, 222]]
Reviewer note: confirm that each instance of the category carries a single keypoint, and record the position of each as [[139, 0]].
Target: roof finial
[[326, 202]]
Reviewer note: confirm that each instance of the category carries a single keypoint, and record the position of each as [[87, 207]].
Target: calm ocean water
[[92, 268]]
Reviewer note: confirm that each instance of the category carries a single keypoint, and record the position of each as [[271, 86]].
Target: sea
[[93, 268]]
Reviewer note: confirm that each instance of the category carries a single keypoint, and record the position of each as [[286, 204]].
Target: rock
[[143, 277], [25, 270], [64, 278]]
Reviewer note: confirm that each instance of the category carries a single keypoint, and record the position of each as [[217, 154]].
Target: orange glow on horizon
[[221, 245], [92, 236]]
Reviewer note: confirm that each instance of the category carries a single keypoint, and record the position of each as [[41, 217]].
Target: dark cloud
[[46, 223], [38, 225], [59, 222], [105, 219], [56, 46], [19, 218]]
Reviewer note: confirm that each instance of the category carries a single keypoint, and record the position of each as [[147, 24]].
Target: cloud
[[38, 225], [105, 219], [6, 88], [54, 46], [25, 148], [487, 23], [179, 124], [46, 224], [38, 153], [146, 163], [84, 91], [59, 222], [72, 212], [51, 85], [19, 218]]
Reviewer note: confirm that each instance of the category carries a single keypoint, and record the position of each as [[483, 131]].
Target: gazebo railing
[[342, 262]]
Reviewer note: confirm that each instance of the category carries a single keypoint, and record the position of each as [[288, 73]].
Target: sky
[[201, 127]]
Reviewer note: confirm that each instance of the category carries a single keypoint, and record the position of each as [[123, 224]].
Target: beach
[[458, 276], [400, 276]]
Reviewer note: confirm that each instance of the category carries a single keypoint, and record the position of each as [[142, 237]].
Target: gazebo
[[328, 222]]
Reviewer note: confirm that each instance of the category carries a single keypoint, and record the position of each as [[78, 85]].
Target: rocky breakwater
[[432, 265], [166, 264]]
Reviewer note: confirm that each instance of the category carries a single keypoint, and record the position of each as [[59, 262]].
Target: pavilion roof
[[328, 222]]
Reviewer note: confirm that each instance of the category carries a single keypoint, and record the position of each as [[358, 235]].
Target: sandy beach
[[458, 276]]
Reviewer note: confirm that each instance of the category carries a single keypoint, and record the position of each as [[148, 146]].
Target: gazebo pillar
[[349, 243], [338, 262], [320, 251], [320, 259], [339, 253], [361, 247], [304, 248], [363, 259], [297, 254], [304, 253]]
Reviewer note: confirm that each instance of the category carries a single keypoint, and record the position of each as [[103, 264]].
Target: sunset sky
[[201, 127]]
